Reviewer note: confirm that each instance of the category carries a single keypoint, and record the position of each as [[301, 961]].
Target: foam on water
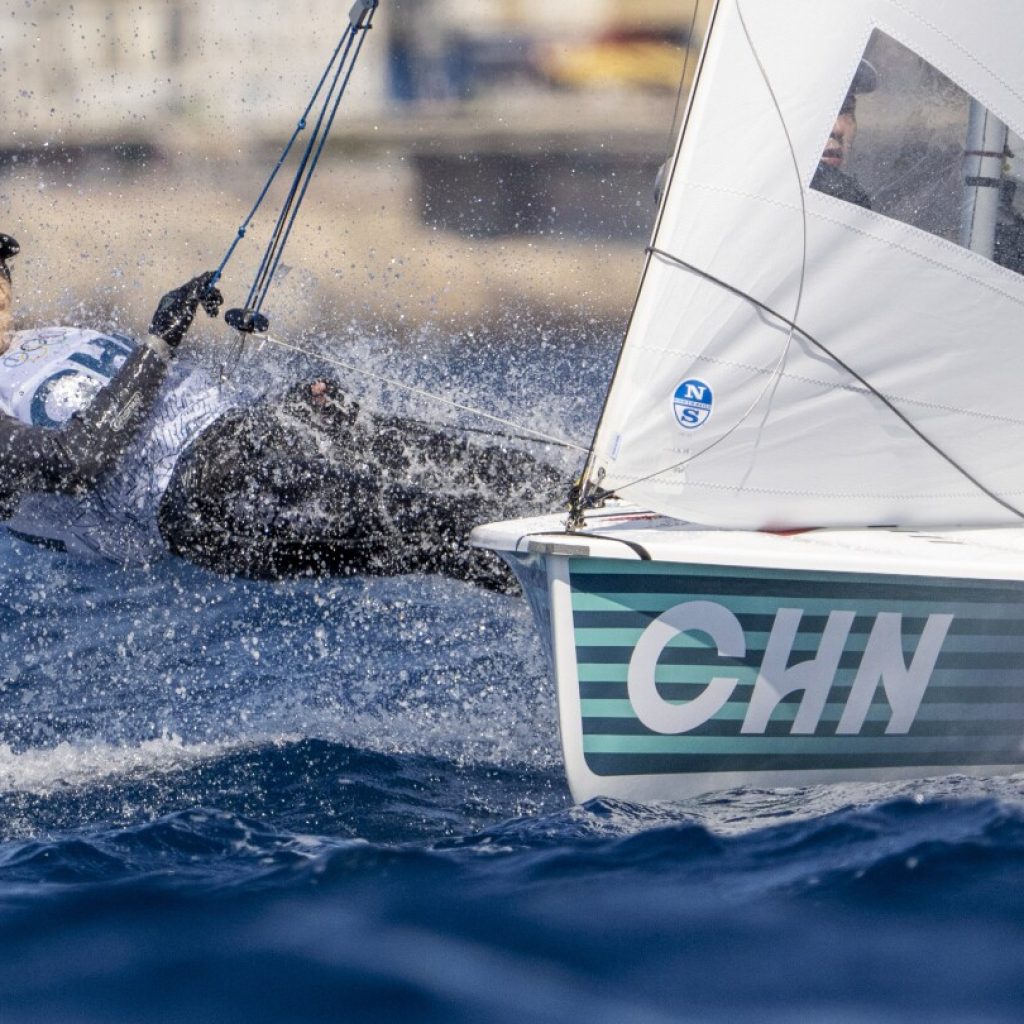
[[122, 657], [45, 771]]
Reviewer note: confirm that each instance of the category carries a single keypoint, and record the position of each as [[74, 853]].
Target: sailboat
[[796, 552]]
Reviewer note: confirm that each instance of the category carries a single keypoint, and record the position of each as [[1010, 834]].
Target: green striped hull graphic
[[920, 672]]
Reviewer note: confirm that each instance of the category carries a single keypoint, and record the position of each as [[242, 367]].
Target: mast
[[984, 155]]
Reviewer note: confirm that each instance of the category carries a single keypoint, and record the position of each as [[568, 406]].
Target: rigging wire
[[586, 489], [339, 73], [300, 127], [532, 434], [290, 212], [250, 319], [673, 130]]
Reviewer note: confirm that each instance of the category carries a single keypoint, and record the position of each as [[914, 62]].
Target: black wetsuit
[[71, 459], [290, 487]]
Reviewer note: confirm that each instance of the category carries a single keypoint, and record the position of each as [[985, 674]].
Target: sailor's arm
[[74, 456]]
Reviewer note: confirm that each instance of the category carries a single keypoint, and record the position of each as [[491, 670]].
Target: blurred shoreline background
[[493, 162]]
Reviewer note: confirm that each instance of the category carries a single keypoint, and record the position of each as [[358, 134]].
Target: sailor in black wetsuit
[[309, 483], [265, 486]]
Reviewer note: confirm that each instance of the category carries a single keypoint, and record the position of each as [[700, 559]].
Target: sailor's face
[[840, 142]]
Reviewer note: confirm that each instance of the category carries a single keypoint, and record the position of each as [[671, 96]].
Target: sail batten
[[821, 176]]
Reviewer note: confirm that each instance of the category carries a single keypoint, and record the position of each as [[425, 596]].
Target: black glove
[[9, 248], [177, 309]]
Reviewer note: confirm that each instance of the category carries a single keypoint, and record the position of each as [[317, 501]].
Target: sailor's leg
[[298, 486]]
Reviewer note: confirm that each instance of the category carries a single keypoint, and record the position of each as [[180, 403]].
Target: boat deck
[[623, 531]]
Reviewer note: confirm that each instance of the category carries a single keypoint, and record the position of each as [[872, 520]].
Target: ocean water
[[343, 800]]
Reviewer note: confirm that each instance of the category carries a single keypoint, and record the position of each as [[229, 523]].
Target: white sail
[[906, 408]]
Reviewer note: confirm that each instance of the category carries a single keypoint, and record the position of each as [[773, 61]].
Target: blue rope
[[360, 22], [303, 163], [309, 174], [299, 129]]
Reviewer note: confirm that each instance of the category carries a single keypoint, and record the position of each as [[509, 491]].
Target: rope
[[342, 64]]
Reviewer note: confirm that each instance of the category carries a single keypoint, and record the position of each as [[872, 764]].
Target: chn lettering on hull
[[881, 664]]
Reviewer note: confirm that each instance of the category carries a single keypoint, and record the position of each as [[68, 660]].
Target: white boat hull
[[691, 660]]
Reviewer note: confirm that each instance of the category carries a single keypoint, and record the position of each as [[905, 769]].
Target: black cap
[[865, 80]]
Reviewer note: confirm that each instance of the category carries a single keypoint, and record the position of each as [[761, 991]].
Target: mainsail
[[818, 339]]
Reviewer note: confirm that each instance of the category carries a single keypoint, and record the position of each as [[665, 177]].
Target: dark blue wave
[[900, 909]]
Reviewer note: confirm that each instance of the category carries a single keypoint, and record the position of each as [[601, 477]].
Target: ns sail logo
[[692, 403]]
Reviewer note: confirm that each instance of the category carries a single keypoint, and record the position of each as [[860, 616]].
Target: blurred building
[[445, 49], [572, 104], [138, 67], [516, 116], [115, 68]]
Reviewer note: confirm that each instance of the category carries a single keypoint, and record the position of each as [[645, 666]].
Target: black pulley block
[[8, 247], [248, 321]]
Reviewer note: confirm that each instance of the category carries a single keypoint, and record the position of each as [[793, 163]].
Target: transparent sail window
[[910, 144]]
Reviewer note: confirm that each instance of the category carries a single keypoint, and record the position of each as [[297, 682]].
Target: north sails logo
[[882, 663], [692, 403]]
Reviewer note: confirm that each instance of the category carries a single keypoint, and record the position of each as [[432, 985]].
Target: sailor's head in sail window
[[830, 177]]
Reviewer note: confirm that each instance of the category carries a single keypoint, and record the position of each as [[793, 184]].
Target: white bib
[[48, 375]]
